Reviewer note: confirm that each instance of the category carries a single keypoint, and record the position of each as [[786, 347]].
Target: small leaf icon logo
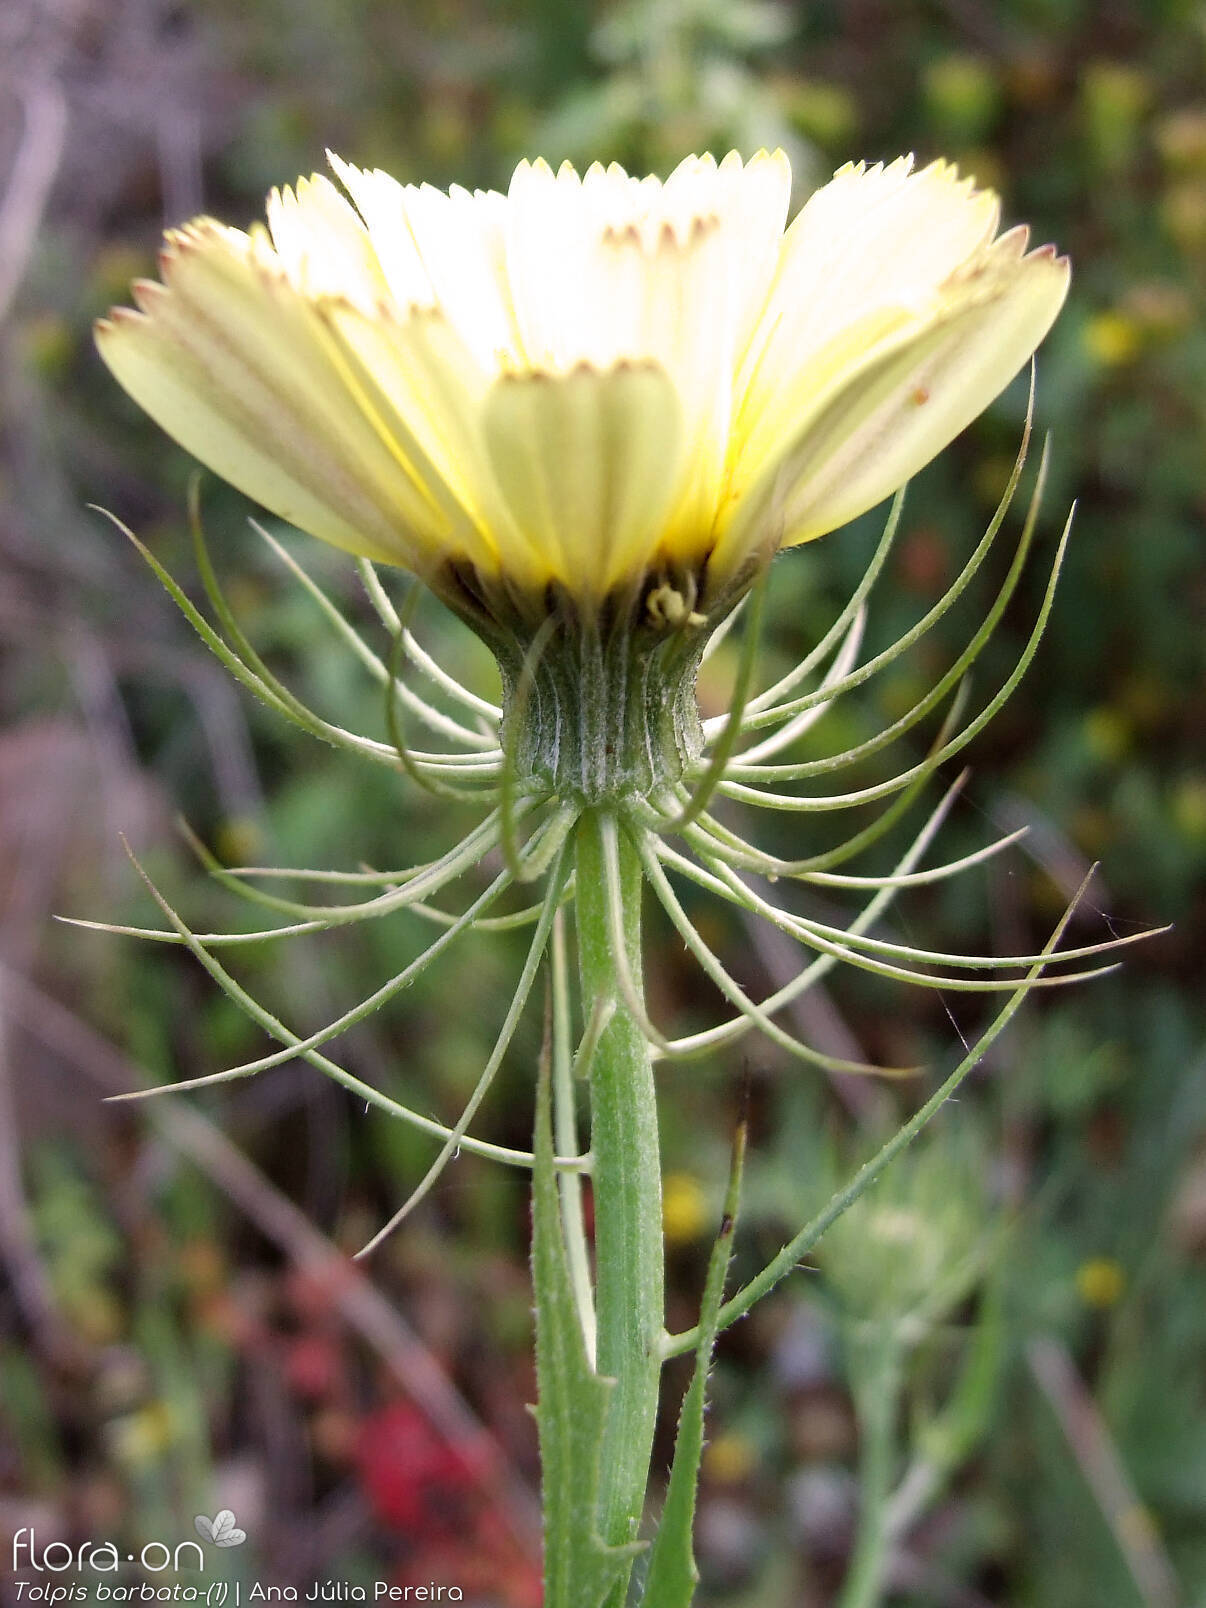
[[221, 1530]]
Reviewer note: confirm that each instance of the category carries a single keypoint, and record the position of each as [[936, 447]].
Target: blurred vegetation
[[173, 1338]]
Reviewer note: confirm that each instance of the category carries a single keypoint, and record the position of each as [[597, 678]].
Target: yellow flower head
[[593, 381], [1100, 1282]]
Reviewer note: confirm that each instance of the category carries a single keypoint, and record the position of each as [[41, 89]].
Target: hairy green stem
[[627, 1194], [565, 1137], [876, 1389]]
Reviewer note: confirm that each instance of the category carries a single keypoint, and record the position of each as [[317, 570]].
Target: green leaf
[[673, 1575], [580, 1569]]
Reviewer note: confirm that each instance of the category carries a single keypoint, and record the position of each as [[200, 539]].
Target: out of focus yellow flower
[[142, 1438], [730, 1458], [1112, 338], [595, 381], [1100, 1282], [684, 1208]]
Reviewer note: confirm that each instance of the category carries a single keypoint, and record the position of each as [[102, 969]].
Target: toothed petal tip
[[567, 284]]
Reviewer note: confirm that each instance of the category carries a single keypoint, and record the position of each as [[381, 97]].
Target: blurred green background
[[177, 1333]]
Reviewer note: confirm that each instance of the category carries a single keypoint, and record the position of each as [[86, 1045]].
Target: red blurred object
[[436, 1494], [924, 561], [415, 1480], [486, 1566], [313, 1366]]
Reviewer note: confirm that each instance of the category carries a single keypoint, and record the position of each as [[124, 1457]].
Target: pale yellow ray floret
[[590, 378]]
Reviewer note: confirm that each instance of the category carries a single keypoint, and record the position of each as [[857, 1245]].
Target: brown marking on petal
[[124, 315], [526, 376], [702, 224], [329, 303], [697, 229], [920, 396], [146, 292], [632, 365], [626, 234], [412, 310], [582, 369]]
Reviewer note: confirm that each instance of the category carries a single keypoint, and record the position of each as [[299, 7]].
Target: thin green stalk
[[869, 795], [523, 987], [673, 1574], [433, 718], [800, 1244], [626, 1176], [876, 1389], [716, 766], [565, 1138]]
